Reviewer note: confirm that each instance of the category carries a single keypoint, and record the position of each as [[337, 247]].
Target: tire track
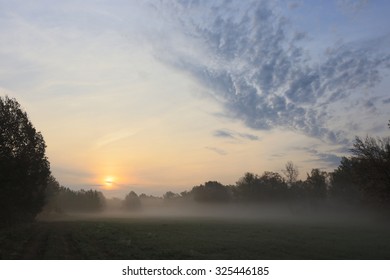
[[73, 247], [36, 245]]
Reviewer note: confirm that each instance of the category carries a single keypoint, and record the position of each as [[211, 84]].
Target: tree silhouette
[[246, 187], [53, 189], [316, 185], [169, 195], [344, 186], [132, 201], [61, 199], [211, 191], [269, 187], [371, 158], [24, 168], [272, 187], [291, 173]]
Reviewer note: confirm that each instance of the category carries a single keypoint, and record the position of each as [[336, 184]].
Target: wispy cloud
[[217, 150], [114, 137], [249, 136], [70, 175], [252, 64], [224, 133], [352, 6], [386, 101], [294, 5], [329, 159]]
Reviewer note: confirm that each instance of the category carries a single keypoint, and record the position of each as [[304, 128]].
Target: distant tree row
[[61, 199], [361, 180], [270, 187]]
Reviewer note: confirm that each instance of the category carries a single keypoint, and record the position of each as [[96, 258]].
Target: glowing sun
[[109, 181]]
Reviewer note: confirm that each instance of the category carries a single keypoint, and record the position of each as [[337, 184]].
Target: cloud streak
[[228, 134], [223, 134], [219, 151]]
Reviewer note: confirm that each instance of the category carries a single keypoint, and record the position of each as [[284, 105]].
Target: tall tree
[[291, 173], [344, 183], [371, 157], [24, 167], [316, 186]]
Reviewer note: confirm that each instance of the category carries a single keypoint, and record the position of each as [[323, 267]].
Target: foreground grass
[[133, 238]]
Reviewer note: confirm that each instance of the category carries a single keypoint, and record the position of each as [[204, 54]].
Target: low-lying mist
[[231, 212]]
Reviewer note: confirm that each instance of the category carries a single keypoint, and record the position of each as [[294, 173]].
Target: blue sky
[[164, 95]]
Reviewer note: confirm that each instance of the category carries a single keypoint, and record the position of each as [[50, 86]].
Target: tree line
[[361, 180], [61, 199], [27, 186]]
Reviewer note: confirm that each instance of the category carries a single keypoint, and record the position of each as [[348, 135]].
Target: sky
[[157, 96]]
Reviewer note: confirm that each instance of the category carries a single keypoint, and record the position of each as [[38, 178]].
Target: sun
[[109, 182]]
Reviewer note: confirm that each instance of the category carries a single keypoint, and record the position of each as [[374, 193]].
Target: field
[[192, 238]]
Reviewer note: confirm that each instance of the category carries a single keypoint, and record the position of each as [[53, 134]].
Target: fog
[[335, 214]]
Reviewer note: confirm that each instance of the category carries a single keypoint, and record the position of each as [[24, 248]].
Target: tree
[[272, 187], [52, 191], [64, 199], [316, 185], [371, 158], [24, 167], [211, 191], [269, 187], [291, 173], [344, 185], [170, 196], [246, 187], [132, 201]]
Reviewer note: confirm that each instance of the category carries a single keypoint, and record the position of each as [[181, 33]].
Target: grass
[[132, 238]]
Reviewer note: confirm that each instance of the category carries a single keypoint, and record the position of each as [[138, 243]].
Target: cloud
[[352, 6], [369, 105], [330, 159], [386, 101], [217, 150], [223, 134], [73, 172], [277, 156], [294, 5], [251, 62], [114, 137], [249, 136], [234, 135], [70, 174]]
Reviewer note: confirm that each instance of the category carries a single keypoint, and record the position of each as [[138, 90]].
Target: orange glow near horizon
[[109, 182]]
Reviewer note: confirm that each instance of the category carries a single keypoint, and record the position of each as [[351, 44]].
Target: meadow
[[192, 238]]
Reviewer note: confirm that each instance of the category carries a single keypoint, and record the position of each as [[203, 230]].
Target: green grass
[[192, 239]]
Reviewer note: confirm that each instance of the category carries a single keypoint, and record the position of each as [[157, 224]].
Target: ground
[[192, 238]]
